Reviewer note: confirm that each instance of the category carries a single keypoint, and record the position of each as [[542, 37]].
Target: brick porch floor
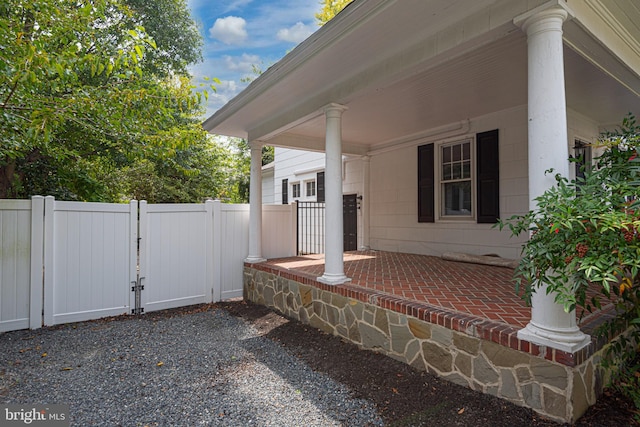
[[482, 291]]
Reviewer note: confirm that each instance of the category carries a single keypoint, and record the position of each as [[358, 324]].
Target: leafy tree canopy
[[330, 8], [91, 91]]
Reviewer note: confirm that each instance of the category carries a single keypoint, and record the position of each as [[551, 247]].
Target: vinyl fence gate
[[66, 262]]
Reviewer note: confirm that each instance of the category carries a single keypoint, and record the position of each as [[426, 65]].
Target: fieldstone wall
[[558, 391]]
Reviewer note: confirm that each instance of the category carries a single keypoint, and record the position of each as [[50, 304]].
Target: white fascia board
[[598, 36]]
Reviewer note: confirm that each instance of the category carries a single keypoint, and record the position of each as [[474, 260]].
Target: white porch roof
[[403, 67]]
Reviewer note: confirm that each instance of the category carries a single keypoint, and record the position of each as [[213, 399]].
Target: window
[[582, 152], [295, 190], [311, 189], [455, 179], [461, 170]]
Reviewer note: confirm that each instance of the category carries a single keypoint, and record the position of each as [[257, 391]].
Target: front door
[[350, 221]]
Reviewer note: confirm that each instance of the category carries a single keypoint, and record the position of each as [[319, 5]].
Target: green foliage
[[89, 99], [330, 8], [268, 155], [176, 35], [588, 232]]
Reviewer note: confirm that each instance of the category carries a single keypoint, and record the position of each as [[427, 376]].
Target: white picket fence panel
[[16, 262], [65, 262], [176, 255], [232, 248], [278, 231], [90, 260]]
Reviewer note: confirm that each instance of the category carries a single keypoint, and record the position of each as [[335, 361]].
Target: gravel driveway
[[199, 368]]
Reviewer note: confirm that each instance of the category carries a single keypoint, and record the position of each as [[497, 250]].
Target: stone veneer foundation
[[477, 353]]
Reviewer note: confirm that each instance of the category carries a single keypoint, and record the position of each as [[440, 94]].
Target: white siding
[[297, 166], [394, 204], [268, 197]]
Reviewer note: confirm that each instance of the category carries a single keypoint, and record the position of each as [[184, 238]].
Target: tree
[[587, 232], [82, 94], [330, 8], [176, 35]]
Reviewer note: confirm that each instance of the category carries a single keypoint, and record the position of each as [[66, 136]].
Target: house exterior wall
[[394, 204], [268, 186], [300, 166], [297, 166], [393, 188]]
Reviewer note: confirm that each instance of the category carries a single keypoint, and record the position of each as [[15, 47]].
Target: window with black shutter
[[454, 179]]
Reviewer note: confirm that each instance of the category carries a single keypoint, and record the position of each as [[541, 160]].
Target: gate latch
[[137, 287]]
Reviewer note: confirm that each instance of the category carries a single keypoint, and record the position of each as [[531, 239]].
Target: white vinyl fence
[[89, 258], [65, 262], [15, 263]]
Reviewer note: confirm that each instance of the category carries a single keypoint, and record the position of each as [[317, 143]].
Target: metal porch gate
[[310, 228], [311, 225]]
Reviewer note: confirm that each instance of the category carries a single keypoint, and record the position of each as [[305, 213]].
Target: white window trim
[[306, 188], [293, 196], [438, 193]]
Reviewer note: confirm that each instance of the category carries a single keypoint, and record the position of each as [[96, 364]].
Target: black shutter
[[285, 191], [320, 187], [488, 177], [426, 212]]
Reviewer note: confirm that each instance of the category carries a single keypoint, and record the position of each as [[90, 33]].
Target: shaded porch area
[[457, 320]]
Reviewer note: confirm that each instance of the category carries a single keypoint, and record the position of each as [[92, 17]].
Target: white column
[[255, 204], [334, 238], [364, 204], [550, 325]]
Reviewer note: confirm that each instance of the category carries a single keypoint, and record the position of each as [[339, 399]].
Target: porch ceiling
[[401, 80], [490, 79]]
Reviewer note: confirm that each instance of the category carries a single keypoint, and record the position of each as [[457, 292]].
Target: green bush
[[587, 231]]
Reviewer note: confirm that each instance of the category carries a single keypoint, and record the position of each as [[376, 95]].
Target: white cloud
[[243, 63], [226, 90], [229, 30], [296, 33], [238, 4]]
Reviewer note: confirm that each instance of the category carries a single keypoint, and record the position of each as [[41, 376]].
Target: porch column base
[[333, 279], [569, 340], [254, 260]]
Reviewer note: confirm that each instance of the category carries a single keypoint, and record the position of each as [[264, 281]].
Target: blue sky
[[241, 33]]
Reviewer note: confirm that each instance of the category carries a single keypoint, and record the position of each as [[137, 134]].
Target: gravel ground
[[204, 367]]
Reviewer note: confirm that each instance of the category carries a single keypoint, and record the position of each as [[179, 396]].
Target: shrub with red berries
[[585, 231]]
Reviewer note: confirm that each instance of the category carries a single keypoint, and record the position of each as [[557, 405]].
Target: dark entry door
[[350, 221]]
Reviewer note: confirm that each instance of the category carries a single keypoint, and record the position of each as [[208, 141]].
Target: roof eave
[[333, 30]]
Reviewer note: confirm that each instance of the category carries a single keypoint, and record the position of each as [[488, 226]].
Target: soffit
[[354, 44], [475, 77]]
